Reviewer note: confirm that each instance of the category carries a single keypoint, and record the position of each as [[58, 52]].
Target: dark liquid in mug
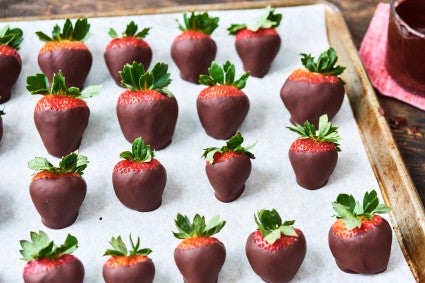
[[412, 12], [405, 57]]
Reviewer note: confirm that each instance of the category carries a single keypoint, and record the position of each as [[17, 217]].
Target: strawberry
[[10, 60], [258, 44], [1, 123], [222, 106], [147, 108], [199, 257], [228, 168], [316, 90], [48, 263], [127, 49], [61, 116], [360, 239], [276, 249], [58, 192], [313, 155], [194, 49], [139, 180], [130, 266], [65, 51]]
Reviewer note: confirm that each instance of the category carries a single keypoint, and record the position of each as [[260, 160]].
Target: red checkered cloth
[[372, 53]]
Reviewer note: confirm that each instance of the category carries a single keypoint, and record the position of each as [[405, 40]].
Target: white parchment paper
[[271, 185]]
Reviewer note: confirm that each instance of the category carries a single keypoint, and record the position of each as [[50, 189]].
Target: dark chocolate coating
[[153, 120], [140, 190], [10, 68], [257, 53], [74, 64], [221, 116], [71, 272], [313, 170], [1, 127], [141, 272], [62, 130], [193, 56], [201, 264], [276, 266], [228, 177], [307, 102], [58, 200], [365, 253], [117, 57]]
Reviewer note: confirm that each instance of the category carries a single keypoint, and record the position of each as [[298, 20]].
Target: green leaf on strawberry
[[41, 246], [352, 211], [134, 77], [78, 32], [325, 63], [271, 226], [223, 75], [267, 20], [234, 144], [199, 22], [140, 152], [326, 132], [120, 249], [131, 30], [198, 227], [39, 84], [12, 37], [71, 163], [2, 111]]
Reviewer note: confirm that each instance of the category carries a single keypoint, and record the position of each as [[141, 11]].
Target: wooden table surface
[[356, 13]]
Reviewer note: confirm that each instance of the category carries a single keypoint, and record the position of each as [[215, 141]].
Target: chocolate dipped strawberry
[[58, 192], [314, 154], [316, 90], [48, 263], [258, 44], [66, 51], [360, 239], [62, 115], [228, 168], [199, 257], [222, 105], [10, 60], [194, 49], [276, 249], [129, 266], [147, 108], [126, 49], [139, 180]]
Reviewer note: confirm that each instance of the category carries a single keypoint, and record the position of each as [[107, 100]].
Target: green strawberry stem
[[39, 84], [131, 30], [352, 211], [199, 22], [12, 37], [223, 75], [120, 249], [267, 20], [2, 111], [198, 227], [140, 152], [78, 32], [327, 132], [325, 63], [234, 144], [41, 246], [134, 77], [71, 163], [271, 226]]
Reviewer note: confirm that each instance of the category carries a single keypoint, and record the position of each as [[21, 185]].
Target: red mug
[[405, 55]]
